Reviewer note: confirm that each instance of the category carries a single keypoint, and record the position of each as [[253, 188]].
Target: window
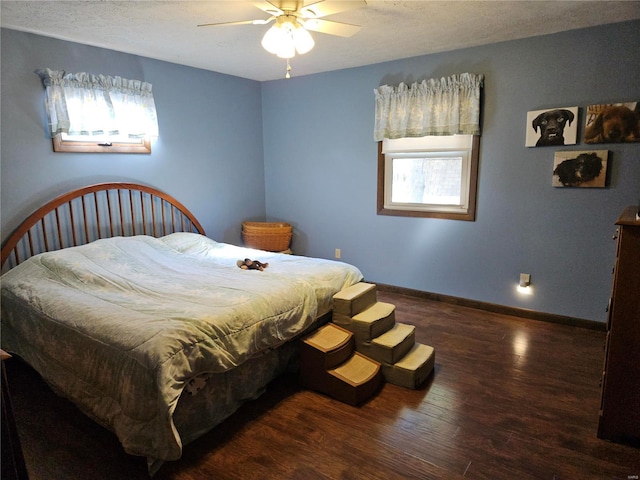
[[98, 113], [433, 176], [429, 168]]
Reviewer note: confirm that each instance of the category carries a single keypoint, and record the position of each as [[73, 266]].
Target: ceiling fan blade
[[332, 28], [242, 22], [322, 8], [270, 7]]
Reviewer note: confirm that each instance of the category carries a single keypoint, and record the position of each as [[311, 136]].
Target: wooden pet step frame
[[329, 364], [377, 335]]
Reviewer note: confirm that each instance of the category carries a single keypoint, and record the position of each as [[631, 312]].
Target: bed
[[116, 297]]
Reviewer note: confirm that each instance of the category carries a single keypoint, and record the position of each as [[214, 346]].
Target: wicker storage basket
[[270, 236], [266, 227]]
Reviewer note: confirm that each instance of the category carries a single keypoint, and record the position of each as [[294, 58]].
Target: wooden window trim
[[73, 146], [470, 215]]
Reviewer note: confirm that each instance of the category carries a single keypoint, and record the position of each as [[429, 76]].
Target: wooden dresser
[[620, 405]]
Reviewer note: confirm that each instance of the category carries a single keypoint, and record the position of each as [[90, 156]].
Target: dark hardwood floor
[[510, 398]]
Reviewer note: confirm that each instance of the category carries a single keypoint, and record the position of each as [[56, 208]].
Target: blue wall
[[321, 170], [209, 154], [301, 150]]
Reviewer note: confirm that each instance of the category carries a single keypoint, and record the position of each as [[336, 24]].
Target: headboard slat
[[97, 210], [153, 215], [121, 213], [44, 234], [85, 224], [62, 222], [144, 223], [58, 228], [73, 225], [109, 214], [31, 250], [131, 209], [162, 213]]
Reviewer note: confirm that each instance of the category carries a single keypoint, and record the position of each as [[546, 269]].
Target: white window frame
[[459, 146]]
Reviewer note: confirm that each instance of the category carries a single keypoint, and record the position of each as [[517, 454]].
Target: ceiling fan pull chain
[[288, 74]]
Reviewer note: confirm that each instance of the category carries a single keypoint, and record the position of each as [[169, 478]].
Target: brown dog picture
[[552, 127], [580, 169], [612, 123]]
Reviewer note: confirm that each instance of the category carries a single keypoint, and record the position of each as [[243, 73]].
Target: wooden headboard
[[97, 211]]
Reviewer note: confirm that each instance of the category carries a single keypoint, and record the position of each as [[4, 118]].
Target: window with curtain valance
[[444, 106], [99, 111], [428, 151]]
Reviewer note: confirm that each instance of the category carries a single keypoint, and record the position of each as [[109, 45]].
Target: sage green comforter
[[121, 325]]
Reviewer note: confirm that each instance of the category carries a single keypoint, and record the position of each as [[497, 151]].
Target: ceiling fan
[[293, 21]]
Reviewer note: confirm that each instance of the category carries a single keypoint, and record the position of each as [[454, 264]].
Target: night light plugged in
[[524, 286]]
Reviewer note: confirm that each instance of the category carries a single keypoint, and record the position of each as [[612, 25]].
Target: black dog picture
[[556, 126], [613, 123], [580, 169]]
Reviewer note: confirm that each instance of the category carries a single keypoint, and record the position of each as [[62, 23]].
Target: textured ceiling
[[167, 30]]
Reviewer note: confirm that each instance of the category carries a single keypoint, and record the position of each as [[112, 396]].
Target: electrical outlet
[[338, 253]]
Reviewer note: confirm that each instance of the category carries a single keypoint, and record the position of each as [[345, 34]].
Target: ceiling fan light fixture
[[286, 37], [303, 40], [287, 50], [274, 39]]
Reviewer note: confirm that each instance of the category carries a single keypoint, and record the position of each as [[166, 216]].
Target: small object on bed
[[248, 264]]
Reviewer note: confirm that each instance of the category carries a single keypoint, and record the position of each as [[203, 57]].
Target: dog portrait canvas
[[612, 123], [580, 169], [554, 126]]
